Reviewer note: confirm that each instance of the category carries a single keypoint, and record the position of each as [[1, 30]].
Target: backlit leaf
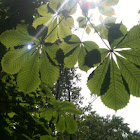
[[132, 40], [13, 61], [49, 72], [52, 32], [60, 125], [116, 96], [42, 20], [131, 74], [132, 55], [43, 10], [96, 78], [12, 38], [28, 78], [55, 5], [71, 125]]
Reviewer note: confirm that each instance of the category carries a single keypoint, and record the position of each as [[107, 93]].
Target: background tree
[[92, 126]]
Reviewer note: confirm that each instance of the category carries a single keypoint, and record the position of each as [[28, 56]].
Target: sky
[[127, 13]]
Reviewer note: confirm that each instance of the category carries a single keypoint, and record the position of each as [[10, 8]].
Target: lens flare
[[29, 46]]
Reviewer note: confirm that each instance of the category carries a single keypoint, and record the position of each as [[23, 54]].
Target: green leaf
[[132, 40], [132, 55], [63, 30], [23, 28], [13, 61], [47, 91], [47, 137], [68, 10], [88, 29], [42, 20], [55, 115], [70, 108], [75, 51], [69, 21], [97, 77], [55, 5], [71, 125], [131, 74], [116, 96], [106, 82], [93, 54], [82, 22], [103, 54], [67, 104], [116, 33], [72, 58], [49, 72], [104, 32], [12, 38], [60, 125], [43, 10], [81, 60], [52, 32], [72, 39], [26, 137], [11, 114], [47, 113], [51, 51], [28, 78]]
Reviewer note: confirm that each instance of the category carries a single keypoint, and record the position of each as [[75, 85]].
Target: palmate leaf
[[28, 63], [132, 40], [28, 78], [49, 72], [118, 80], [131, 74], [75, 50], [51, 21], [116, 96], [13, 61], [12, 38]]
